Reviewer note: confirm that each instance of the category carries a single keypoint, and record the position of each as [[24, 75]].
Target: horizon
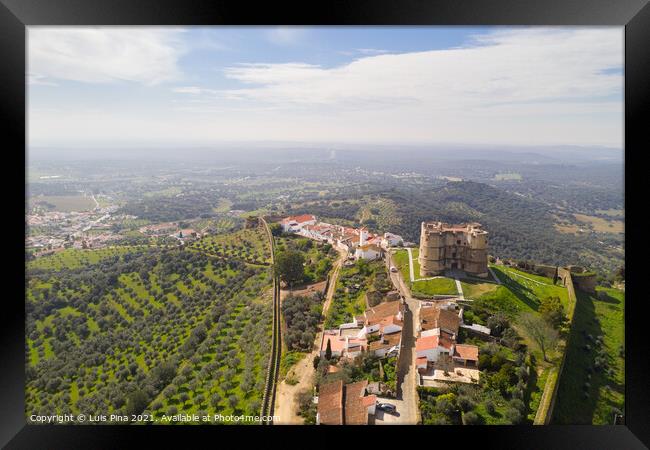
[[204, 86]]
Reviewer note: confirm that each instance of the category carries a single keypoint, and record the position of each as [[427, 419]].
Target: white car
[[393, 269]]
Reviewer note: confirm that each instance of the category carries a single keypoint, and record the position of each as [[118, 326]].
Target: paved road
[[408, 409]]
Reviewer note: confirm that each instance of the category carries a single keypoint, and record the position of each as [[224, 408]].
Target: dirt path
[[286, 405]]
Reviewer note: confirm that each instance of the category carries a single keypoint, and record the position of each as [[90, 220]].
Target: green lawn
[[593, 404], [435, 286], [474, 289]]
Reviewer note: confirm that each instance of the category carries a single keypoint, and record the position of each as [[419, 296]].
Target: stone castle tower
[[444, 247]]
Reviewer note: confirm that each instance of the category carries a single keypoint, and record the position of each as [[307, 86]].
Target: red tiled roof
[[381, 311], [467, 352], [426, 343], [330, 403], [299, 219], [356, 411], [435, 317]]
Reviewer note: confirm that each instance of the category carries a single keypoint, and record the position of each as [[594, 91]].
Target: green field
[[519, 294], [435, 286], [64, 203], [601, 364], [473, 289]]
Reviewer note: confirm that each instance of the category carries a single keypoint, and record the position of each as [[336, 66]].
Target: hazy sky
[[487, 85]]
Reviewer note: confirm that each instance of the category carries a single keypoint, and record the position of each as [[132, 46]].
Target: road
[[408, 409], [286, 405]]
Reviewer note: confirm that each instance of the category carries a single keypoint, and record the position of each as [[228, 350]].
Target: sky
[[135, 86]]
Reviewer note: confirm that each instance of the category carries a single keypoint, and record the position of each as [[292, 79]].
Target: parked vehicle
[[393, 269], [387, 407]]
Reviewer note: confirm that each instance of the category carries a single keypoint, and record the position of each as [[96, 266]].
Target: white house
[[431, 347], [293, 224], [391, 240], [367, 251]]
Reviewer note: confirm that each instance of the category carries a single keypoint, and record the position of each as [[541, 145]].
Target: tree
[[551, 311], [543, 334], [471, 418], [289, 266], [136, 402], [276, 229], [328, 350]]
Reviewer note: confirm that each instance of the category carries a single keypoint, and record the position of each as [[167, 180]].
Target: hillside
[[156, 329]]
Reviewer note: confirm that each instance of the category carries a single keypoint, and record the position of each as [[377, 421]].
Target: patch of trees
[[301, 315]]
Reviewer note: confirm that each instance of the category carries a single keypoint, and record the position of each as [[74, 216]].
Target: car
[[387, 407], [393, 269]]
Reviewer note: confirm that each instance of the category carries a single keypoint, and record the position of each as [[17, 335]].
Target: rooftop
[[441, 227], [435, 317]]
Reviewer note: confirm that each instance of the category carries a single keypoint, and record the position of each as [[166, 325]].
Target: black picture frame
[[15, 15]]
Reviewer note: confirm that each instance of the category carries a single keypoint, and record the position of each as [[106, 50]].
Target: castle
[[448, 247]]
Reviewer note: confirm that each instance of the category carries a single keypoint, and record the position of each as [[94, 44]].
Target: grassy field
[[474, 289], [601, 225], [436, 286], [577, 402], [65, 203], [522, 291], [508, 177]]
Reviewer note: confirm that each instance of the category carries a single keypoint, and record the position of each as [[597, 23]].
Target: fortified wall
[[449, 247]]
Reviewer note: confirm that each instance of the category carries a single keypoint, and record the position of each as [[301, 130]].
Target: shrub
[[471, 418]]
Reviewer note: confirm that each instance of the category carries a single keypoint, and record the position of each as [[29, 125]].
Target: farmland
[[63, 203], [154, 329]]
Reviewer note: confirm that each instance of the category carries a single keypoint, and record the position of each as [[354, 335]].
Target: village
[[422, 334]]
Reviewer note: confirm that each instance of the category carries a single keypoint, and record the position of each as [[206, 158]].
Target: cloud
[[519, 67], [104, 55], [193, 90], [286, 35], [372, 51]]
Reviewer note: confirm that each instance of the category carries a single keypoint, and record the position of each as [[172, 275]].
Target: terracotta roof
[[467, 352], [299, 219], [381, 311], [330, 403], [426, 343], [356, 411], [390, 320], [387, 341], [435, 317], [420, 360]]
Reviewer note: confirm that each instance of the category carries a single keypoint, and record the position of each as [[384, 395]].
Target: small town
[[430, 354]]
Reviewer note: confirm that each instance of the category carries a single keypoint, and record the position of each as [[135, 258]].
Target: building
[[391, 240], [453, 247], [348, 404], [440, 359], [367, 251], [293, 224], [342, 344], [378, 330]]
